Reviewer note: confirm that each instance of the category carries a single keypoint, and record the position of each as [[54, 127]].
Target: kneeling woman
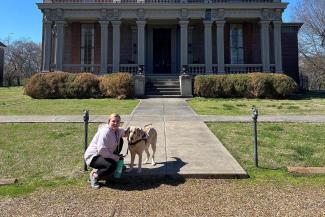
[[101, 154]]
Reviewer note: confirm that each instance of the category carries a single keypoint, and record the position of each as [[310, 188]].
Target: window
[[87, 45], [236, 44]]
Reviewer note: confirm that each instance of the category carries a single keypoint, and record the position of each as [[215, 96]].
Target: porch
[[197, 37], [159, 47]]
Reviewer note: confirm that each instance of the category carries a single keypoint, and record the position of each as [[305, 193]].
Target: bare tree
[[312, 41], [22, 59]]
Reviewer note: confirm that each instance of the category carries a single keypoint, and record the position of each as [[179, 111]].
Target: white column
[[59, 45], [208, 46], [141, 24], [265, 45], [183, 24], [277, 46], [103, 46], [47, 42], [220, 46], [116, 45]]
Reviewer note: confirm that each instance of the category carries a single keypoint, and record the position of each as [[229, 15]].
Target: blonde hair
[[114, 115]]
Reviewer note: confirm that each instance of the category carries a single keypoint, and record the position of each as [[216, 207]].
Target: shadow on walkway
[[167, 173]]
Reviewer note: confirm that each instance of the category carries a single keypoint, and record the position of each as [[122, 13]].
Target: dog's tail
[[147, 125]]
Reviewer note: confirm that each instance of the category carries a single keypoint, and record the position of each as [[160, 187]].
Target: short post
[[86, 120], [254, 117]]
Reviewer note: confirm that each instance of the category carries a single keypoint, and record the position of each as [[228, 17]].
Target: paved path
[[126, 118], [185, 144]]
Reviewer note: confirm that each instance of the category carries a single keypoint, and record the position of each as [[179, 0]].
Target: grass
[[41, 155], [302, 104], [14, 102], [279, 145], [50, 155]]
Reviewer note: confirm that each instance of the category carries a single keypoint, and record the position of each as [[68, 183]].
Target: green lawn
[[14, 102], [303, 104], [41, 155], [279, 145], [50, 155]]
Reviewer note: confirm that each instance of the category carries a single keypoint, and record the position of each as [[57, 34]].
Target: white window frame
[[84, 29], [236, 44]]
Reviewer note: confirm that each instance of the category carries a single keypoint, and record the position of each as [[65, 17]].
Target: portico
[[163, 37]]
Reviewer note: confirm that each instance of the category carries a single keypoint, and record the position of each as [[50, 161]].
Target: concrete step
[[163, 93], [163, 87]]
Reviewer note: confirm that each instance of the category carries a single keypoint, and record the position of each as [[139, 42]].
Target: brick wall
[[67, 44], [1, 65], [289, 34], [198, 44], [126, 44], [252, 43], [75, 43], [97, 43], [227, 43]]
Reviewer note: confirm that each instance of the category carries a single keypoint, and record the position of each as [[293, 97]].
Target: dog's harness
[[144, 138]]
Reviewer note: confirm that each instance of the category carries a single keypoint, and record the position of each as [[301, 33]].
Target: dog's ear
[[142, 133], [127, 132]]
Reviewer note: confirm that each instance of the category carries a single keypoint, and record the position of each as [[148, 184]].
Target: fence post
[[254, 117], [86, 120]]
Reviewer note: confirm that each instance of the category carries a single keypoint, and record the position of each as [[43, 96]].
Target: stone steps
[[163, 86]]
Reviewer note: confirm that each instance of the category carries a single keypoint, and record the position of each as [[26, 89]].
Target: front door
[[162, 51]]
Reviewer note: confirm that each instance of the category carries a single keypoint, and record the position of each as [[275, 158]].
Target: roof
[[2, 45]]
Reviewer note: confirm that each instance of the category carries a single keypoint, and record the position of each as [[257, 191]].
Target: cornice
[[90, 6]]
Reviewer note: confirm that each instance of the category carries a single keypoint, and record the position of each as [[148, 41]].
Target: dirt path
[[184, 198]]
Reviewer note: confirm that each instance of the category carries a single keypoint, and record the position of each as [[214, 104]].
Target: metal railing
[[130, 68], [243, 68], [195, 69], [76, 68], [160, 1]]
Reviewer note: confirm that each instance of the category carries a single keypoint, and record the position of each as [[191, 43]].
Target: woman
[[100, 153]]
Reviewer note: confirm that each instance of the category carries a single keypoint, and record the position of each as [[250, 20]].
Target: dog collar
[[144, 138]]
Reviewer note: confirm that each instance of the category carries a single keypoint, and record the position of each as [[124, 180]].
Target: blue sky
[[22, 19]]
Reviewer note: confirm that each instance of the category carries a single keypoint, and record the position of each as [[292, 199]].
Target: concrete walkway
[[126, 118], [186, 146]]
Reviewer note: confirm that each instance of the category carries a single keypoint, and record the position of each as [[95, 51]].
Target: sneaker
[[93, 180]]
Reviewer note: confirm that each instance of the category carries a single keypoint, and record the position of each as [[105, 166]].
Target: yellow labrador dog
[[139, 140]]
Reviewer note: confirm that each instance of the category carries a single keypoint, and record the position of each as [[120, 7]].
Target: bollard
[[86, 120], [254, 117]]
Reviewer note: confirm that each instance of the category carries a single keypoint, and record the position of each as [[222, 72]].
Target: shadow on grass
[[166, 173], [305, 95]]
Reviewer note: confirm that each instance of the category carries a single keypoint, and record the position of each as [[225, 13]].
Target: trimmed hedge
[[118, 85], [82, 85], [251, 85]]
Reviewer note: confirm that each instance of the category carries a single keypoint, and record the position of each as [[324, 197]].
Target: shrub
[[284, 85], [262, 85], [85, 85], [259, 85], [242, 86], [118, 85], [48, 85]]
